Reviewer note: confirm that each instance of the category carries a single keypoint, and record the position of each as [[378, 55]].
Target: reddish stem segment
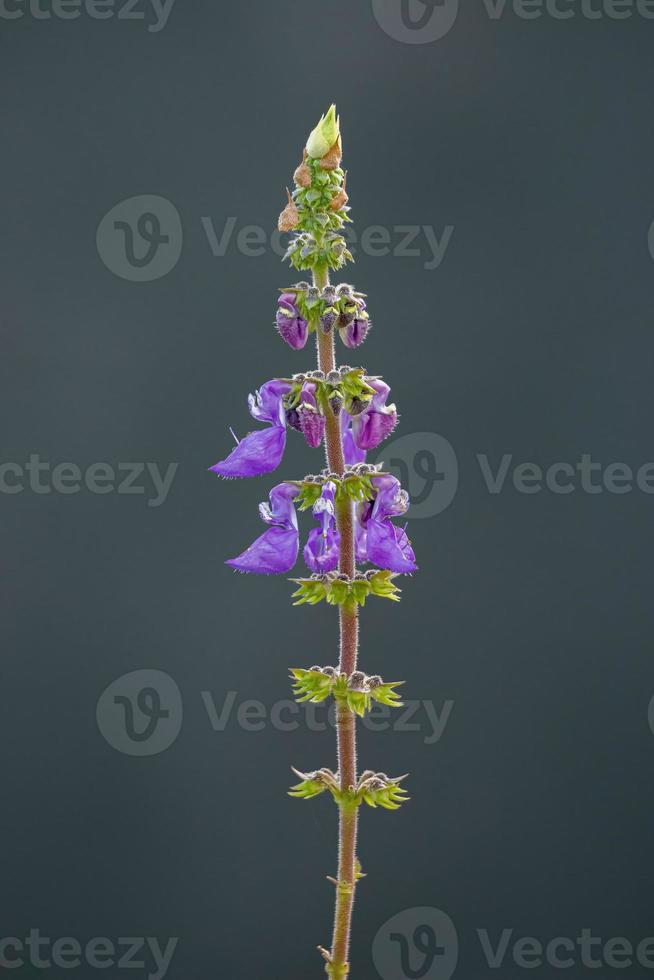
[[345, 719]]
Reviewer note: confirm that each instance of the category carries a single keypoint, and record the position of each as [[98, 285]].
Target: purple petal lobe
[[266, 403], [312, 425], [391, 499], [292, 327], [362, 516], [377, 421], [274, 553], [351, 451], [260, 452], [281, 509], [370, 428], [389, 547], [354, 334], [321, 551]]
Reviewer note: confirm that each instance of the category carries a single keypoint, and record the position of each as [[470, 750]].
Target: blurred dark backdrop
[[531, 619]]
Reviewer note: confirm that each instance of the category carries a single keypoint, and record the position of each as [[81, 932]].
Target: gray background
[[532, 613]]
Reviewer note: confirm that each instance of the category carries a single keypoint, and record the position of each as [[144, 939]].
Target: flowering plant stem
[[349, 643], [352, 500]]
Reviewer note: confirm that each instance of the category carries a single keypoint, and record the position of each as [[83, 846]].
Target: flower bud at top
[[323, 137]]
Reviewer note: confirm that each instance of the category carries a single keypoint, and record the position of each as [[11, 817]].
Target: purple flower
[[354, 329], [378, 540], [321, 549], [351, 451], [261, 451], [306, 417], [293, 328], [377, 420], [275, 551]]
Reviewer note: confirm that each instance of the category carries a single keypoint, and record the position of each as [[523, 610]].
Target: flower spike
[[350, 506]]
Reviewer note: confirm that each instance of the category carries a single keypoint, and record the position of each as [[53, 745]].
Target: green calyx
[[373, 788], [357, 692], [307, 251], [347, 388], [357, 488], [338, 590], [315, 201], [376, 789], [336, 303]]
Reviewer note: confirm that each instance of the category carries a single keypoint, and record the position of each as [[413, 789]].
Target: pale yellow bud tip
[[325, 134]]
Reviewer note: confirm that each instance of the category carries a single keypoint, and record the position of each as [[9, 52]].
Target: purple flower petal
[[371, 428], [312, 425], [259, 452], [320, 551], [377, 421], [378, 540], [292, 327], [389, 547], [266, 404], [391, 499], [275, 551], [362, 516], [281, 509], [351, 451], [354, 334], [322, 547]]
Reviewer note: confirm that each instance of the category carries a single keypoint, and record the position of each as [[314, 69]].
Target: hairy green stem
[[349, 638]]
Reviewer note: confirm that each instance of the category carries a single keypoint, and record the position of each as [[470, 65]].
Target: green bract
[[354, 486], [357, 692], [374, 789], [348, 390], [338, 591]]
